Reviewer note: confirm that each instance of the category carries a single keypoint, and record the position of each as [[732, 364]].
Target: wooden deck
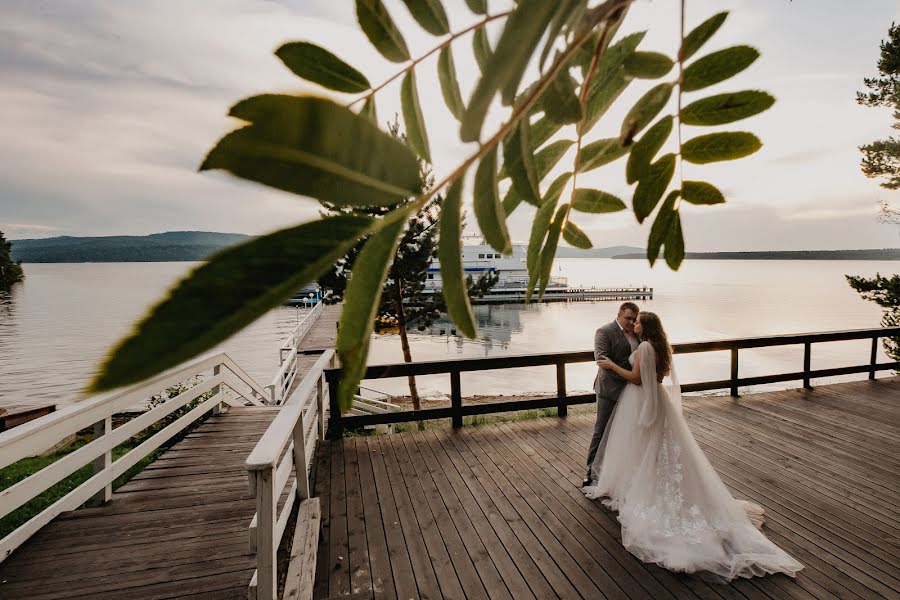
[[495, 511], [179, 529]]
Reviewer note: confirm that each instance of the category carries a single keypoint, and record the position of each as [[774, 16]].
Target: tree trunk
[[404, 343]]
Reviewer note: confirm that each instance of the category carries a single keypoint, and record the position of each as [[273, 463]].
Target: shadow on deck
[[495, 511]]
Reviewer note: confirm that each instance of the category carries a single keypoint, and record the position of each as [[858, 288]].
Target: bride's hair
[[652, 331]]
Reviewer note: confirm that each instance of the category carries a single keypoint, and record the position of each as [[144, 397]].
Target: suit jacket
[[610, 341]]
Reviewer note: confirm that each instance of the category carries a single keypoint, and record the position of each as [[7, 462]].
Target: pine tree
[[881, 158], [10, 271]]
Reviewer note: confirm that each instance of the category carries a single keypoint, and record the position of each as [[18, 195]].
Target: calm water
[[58, 325]]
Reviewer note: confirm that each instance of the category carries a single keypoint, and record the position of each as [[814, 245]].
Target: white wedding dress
[[674, 509]]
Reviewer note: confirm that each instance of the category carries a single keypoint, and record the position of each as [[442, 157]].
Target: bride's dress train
[[674, 509]]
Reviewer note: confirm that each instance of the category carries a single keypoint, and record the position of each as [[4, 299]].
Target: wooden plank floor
[[495, 511], [179, 529]]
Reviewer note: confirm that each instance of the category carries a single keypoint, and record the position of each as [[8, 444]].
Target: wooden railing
[[562, 400], [287, 447], [215, 373], [287, 354]]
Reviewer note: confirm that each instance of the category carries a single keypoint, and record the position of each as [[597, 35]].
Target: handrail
[[287, 371], [562, 400], [287, 445], [218, 371]]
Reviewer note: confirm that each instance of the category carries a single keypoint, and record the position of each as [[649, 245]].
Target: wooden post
[[807, 362], [215, 390], [335, 426], [734, 372], [300, 462], [456, 399], [874, 358], [266, 514], [102, 462], [563, 408], [320, 405]]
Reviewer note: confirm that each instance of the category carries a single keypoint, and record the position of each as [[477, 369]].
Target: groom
[[615, 340]]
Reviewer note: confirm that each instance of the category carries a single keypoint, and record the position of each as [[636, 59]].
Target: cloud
[[26, 230]]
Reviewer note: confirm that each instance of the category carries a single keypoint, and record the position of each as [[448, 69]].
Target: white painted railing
[[287, 447], [216, 373], [287, 354]]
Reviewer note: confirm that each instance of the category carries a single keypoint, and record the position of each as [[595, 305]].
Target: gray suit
[[609, 341]]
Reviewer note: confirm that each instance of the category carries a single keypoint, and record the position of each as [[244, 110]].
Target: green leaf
[[674, 253], [647, 65], [701, 34], [225, 294], [542, 130], [644, 111], [575, 236], [503, 72], [314, 147], [449, 84], [361, 302], [609, 80], [560, 101], [519, 162], [379, 27], [488, 211], [539, 230], [479, 7], [430, 15], [726, 108], [714, 147], [548, 252], [596, 201], [450, 256], [644, 150], [368, 110], [652, 186], [320, 66], [662, 226], [544, 161], [716, 67], [566, 11], [700, 192], [602, 152], [481, 48], [412, 116]]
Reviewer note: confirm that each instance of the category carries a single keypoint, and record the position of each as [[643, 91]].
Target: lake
[[57, 327]]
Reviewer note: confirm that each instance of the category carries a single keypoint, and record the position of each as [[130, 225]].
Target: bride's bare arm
[[632, 376]]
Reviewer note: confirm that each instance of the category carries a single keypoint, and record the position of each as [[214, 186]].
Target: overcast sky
[[108, 108]]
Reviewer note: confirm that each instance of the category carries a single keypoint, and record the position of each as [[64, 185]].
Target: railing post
[[456, 399], [320, 406], [266, 514], [335, 424], [807, 364], [734, 372], [271, 389], [102, 462], [563, 408], [873, 360], [300, 461], [215, 390]]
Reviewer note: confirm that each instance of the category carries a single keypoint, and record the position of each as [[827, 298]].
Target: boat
[[479, 258]]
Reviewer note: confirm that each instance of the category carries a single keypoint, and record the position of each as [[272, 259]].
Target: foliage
[[10, 271], [885, 292], [881, 158], [317, 147]]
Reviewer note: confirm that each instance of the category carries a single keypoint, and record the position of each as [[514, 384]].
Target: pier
[[454, 511]]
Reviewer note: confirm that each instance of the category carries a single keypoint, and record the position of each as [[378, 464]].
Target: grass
[[26, 467]]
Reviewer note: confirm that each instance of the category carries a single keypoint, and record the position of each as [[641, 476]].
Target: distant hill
[[597, 252], [158, 247], [873, 254]]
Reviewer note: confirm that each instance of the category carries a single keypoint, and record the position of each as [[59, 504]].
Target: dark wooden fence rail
[[456, 411]]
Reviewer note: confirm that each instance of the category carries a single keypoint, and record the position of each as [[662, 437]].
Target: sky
[[108, 108]]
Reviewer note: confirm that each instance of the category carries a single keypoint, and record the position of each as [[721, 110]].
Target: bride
[[674, 509]]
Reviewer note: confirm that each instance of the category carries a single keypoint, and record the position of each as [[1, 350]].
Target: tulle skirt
[[674, 509]]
